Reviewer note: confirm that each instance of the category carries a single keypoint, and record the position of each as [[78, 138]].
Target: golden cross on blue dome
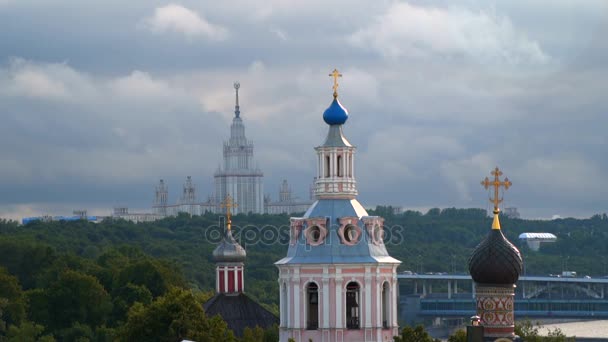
[[335, 74]]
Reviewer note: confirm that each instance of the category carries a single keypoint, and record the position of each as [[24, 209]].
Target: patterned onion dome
[[495, 260], [336, 114], [229, 250]]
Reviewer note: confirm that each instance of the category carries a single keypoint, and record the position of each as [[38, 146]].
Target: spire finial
[[497, 184], [237, 111], [228, 204], [335, 74]]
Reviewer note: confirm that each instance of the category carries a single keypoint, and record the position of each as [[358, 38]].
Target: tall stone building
[[238, 177]]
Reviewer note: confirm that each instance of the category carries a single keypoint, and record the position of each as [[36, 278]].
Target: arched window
[[312, 295], [339, 164], [385, 305], [352, 305], [327, 166]]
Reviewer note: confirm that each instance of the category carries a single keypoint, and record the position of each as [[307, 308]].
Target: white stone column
[[339, 296], [325, 318], [282, 301], [368, 298], [319, 164], [352, 164], [332, 171], [236, 279], [379, 303], [217, 279], [296, 305], [225, 279]]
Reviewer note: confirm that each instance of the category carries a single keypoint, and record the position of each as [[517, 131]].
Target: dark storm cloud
[[100, 100]]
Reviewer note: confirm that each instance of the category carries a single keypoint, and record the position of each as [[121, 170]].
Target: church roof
[[239, 311], [229, 250], [335, 114], [495, 260], [332, 250], [335, 137]]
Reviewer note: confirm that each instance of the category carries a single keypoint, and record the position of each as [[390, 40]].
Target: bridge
[[453, 296]]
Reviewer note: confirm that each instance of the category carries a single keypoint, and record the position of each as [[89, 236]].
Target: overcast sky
[[99, 100]]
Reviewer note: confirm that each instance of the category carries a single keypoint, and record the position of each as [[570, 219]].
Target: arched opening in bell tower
[[352, 305], [312, 294]]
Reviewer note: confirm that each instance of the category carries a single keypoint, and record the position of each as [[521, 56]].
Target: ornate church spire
[[237, 110], [229, 256], [335, 172], [495, 266]]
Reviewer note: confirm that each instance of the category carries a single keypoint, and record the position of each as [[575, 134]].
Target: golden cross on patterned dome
[[335, 74], [497, 184], [228, 204]]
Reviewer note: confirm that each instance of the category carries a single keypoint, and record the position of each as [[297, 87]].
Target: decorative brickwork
[[495, 306]]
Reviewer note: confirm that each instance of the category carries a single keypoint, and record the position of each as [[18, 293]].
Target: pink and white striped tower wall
[[377, 299], [229, 278]]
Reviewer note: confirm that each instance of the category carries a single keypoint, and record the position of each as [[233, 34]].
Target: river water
[[597, 329]]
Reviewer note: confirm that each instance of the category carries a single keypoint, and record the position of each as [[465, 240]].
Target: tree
[[176, 316], [124, 297], [253, 335], [155, 276], [77, 297], [530, 333], [27, 331], [417, 334], [458, 336], [14, 309]]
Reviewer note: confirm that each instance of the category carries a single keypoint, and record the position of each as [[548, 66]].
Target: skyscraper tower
[[238, 177], [161, 195], [337, 282], [285, 192], [189, 192], [187, 202]]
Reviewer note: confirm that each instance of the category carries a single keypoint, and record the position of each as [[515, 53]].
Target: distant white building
[[123, 213], [238, 176], [287, 203], [533, 240]]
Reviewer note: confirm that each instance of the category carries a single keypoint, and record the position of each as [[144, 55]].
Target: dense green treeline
[[442, 240], [99, 282]]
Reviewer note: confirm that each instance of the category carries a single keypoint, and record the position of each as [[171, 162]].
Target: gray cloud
[[97, 103]]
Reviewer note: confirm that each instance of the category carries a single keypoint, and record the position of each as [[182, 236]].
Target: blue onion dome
[[336, 114], [229, 250], [495, 260]]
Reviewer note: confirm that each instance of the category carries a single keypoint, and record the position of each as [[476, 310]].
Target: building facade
[[238, 177], [337, 282], [287, 203]]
